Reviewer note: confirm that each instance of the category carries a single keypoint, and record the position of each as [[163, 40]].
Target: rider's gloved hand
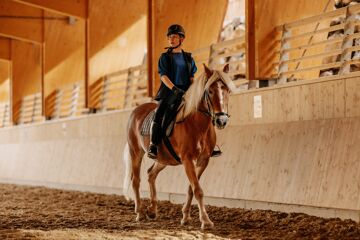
[[178, 92]]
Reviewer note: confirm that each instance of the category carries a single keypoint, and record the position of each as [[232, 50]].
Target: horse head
[[209, 94], [216, 95]]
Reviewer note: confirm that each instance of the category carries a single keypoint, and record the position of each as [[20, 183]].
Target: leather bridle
[[210, 109]]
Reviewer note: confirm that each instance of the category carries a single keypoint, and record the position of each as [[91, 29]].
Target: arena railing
[[67, 101], [122, 89], [218, 54], [324, 45], [28, 109]]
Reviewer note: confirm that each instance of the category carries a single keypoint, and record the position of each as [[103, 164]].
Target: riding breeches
[[160, 111]]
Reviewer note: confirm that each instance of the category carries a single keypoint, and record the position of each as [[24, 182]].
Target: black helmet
[[176, 29]]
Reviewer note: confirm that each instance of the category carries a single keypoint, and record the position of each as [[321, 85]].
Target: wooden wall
[[64, 52], [202, 21], [311, 101], [26, 69], [4, 48], [269, 14], [118, 36]]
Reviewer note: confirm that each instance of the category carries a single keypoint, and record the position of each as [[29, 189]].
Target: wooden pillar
[[250, 42], [87, 53], [43, 64], [150, 47]]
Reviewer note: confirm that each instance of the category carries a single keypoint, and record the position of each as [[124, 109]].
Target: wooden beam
[[76, 8], [20, 22]]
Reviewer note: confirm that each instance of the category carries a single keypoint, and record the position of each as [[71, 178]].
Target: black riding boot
[[155, 137]]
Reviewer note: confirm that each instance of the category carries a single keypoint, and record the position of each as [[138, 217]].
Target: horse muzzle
[[221, 119]]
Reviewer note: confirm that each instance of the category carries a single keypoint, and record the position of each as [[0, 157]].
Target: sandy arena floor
[[41, 213]]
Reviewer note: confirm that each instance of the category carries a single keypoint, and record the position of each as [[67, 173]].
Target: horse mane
[[196, 90]]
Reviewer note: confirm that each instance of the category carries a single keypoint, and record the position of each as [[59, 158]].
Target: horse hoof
[[185, 221], [207, 225], [140, 217], [151, 215]]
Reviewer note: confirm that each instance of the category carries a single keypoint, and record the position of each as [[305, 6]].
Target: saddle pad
[[145, 128]]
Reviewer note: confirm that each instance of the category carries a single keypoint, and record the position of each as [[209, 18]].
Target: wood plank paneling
[[353, 97], [66, 7], [20, 22], [322, 100], [310, 101]]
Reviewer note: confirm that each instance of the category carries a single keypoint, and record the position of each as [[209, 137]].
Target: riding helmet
[[176, 29]]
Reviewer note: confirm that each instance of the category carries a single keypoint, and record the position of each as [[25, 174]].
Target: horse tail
[[128, 172]]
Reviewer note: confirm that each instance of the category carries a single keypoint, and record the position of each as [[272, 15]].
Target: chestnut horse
[[193, 139]]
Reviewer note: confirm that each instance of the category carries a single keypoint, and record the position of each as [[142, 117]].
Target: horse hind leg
[[153, 172]]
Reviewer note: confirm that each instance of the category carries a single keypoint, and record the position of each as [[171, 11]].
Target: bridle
[[210, 109]]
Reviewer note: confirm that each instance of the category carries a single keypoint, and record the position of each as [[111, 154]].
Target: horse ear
[[208, 72], [226, 68]]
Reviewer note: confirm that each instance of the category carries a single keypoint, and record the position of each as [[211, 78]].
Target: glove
[[178, 92]]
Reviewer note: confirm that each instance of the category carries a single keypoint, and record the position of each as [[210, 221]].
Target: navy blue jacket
[[164, 91]]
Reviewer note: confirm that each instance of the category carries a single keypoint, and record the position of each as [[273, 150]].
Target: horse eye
[[211, 92]]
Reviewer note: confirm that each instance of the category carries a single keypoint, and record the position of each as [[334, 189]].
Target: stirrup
[[216, 153], [152, 153]]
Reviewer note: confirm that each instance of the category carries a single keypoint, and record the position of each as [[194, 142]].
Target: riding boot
[[155, 137]]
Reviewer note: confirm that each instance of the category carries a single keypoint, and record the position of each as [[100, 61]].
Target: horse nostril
[[218, 122]]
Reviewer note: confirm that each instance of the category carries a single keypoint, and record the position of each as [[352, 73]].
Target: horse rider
[[176, 68]]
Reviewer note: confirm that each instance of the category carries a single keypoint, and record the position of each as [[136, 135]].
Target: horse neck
[[199, 118]]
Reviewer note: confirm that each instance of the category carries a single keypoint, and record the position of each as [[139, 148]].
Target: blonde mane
[[196, 91]]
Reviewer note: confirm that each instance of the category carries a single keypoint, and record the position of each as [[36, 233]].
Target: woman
[[176, 68]]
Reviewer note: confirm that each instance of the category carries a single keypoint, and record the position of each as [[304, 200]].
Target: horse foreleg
[[136, 166], [198, 192], [187, 206], [153, 172]]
